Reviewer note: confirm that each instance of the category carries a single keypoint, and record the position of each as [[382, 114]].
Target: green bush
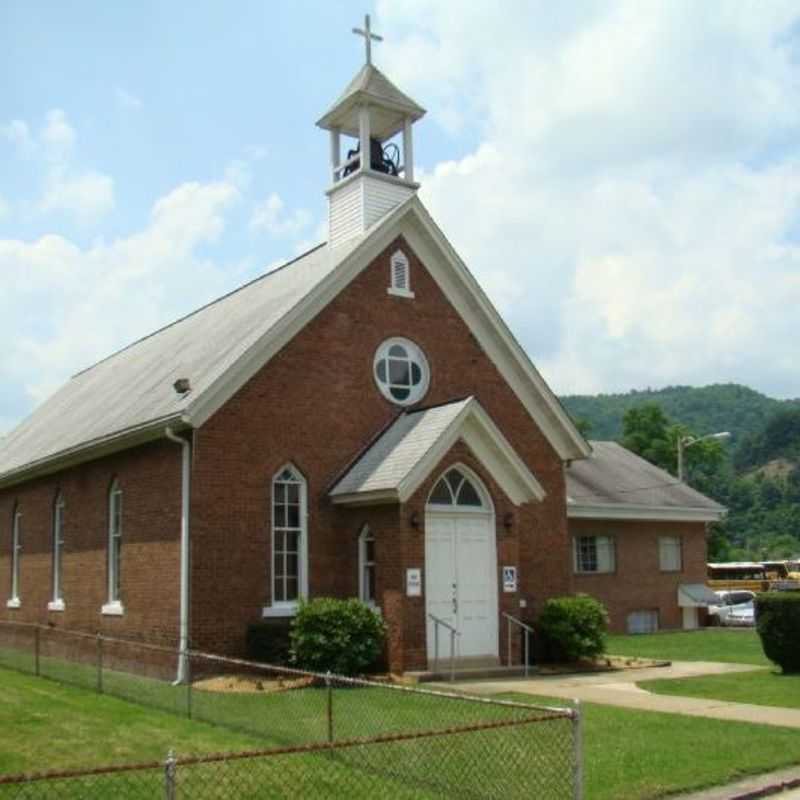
[[343, 636], [778, 625], [269, 643], [573, 628]]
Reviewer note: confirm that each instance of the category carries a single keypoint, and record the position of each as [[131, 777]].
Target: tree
[[645, 432], [648, 432]]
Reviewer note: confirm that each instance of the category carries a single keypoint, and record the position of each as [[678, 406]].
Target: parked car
[[743, 614], [728, 601]]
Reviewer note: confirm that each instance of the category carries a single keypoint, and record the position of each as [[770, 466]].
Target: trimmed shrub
[[573, 628], [778, 626], [269, 642], [343, 636]]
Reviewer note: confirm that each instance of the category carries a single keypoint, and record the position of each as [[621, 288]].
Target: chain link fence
[[324, 736]]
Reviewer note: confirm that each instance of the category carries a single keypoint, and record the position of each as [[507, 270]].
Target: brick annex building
[[358, 422]]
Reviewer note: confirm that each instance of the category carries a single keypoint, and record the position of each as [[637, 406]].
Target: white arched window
[[16, 553], [114, 604], [57, 602], [289, 541], [400, 275], [366, 566], [458, 489]]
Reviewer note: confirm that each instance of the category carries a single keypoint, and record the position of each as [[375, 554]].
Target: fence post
[[188, 658], [527, 650], [577, 750], [36, 648], [99, 664], [330, 706], [170, 770]]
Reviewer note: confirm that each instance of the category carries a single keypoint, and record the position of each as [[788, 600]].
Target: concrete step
[[470, 673]]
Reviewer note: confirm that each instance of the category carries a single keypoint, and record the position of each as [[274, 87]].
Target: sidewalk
[[619, 689], [770, 784]]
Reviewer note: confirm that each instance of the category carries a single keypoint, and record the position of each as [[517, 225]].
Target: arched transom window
[[456, 489], [401, 371]]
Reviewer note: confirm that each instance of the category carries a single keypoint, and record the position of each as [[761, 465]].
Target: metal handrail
[[528, 630], [453, 633]]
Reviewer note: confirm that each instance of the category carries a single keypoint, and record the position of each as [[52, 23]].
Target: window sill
[[401, 293], [55, 605], [14, 602], [279, 611], [584, 573], [114, 609]]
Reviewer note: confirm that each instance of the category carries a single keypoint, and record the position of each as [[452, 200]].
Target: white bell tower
[[376, 174]]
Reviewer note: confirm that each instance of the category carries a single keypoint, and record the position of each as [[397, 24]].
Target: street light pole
[[687, 441]]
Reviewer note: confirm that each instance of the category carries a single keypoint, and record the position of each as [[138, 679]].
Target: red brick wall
[[638, 583], [149, 476], [316, 404]]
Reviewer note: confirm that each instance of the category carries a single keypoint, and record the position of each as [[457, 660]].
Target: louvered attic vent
[[400, 275]]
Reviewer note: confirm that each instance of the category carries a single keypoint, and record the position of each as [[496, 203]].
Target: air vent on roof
[[182, 386]]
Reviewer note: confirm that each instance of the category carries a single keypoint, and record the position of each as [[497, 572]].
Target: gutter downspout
[[186, 463]]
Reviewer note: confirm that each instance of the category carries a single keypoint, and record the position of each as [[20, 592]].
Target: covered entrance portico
[[440, 561]]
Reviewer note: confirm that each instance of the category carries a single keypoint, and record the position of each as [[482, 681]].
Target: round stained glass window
[[401, 371]]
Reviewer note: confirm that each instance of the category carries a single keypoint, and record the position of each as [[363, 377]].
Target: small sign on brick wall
[[509, 579], [414, 582]]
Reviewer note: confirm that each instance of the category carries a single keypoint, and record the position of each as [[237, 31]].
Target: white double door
[[461, 582]]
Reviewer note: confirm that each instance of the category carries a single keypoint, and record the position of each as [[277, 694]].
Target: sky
[[623, 178]]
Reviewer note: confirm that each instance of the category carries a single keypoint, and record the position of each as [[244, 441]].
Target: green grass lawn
[[629, 755], [710, 644], [761, 687], [45, 725], [633, 755], [48, 725]]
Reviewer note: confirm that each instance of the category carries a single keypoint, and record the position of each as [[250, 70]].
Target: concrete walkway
[[619, 689], [780, 785]]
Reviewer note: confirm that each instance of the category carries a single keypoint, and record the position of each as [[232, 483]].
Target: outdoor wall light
[[508, 520], [414, 519]]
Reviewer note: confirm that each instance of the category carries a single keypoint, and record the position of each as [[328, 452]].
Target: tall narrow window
[[289, 545], [400, 275], [366, 566], [114, 605], [57, 603], [16, 553]]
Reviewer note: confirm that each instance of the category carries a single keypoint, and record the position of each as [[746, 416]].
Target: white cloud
[[271, 216], [126, 100], [90, 301], [87, 196], [630, 200], [18, 133], [58, 136]]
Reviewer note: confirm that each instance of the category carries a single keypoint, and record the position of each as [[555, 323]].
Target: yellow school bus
[[749, 575]]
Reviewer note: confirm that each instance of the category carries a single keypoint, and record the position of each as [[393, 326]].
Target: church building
[[359, 422]]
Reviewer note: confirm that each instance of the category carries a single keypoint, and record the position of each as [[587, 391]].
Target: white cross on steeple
[[368, 37]]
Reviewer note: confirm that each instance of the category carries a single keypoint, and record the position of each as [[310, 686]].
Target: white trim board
[[635, 512]]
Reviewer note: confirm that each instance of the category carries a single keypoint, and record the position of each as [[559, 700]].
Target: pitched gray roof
[[390, 105], [613, 475], [132, 389], [395, 453], [369, 81]]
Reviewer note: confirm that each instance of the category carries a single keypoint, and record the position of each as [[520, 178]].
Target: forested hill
[[705, 409]]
